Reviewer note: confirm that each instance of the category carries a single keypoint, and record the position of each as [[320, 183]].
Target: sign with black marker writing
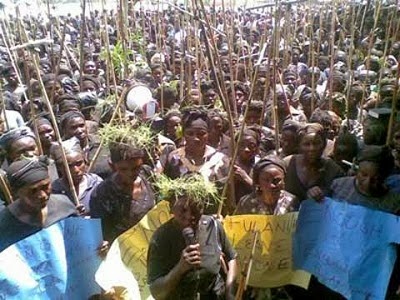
[[272, 260], [58, 262], [349, 248]]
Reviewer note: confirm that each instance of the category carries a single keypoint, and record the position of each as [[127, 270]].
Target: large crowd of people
[[272, 105]]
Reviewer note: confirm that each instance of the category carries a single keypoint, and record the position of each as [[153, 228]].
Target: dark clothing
[[345, 189], [328, 172], [101, 167], [13, 230], [92, 181], [165, 251], [117, 210], [251, 204]]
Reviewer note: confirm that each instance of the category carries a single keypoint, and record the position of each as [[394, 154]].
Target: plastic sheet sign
[[272, 260], [58, 262], [349, 248]]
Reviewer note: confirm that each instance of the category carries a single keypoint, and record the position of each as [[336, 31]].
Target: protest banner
[[129, 253], [272, 263], [58, 262], [349, 248], [272, 260]]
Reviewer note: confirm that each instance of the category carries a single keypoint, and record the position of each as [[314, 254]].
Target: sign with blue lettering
[[349, 248], [58, 262]]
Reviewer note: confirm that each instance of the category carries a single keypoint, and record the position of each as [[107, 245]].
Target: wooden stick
[[332, 53], [246, 276], [110, 63], [222, 91], [371, 38], [69, 52], [82, 41], [7, 44], [393, 113], [349, 61], [3, 108], [56, 131], [121, 100], [24, 38], [4, 186], [385, 50]]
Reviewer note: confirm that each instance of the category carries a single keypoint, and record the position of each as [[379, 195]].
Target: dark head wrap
[[70, 146], [26, 172], [291, 125], [269, 160], [39, 122], [7, 139], [193, 117]]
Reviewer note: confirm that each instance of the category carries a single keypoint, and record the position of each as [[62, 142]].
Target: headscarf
[[269, 160], [27, 172], [70, 146], [11, 136]]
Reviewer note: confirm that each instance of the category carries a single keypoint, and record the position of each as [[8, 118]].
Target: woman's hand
[[81, 209], [190, 258], [103, 249], [315, 193], [242, 175]]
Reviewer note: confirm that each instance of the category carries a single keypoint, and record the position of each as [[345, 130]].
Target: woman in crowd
[[196, 155], [216, 136], [126, 196], [368, 187], [268, 196], [35, 207], [248, 155], [84, 182], [309, 175], [46, 134]]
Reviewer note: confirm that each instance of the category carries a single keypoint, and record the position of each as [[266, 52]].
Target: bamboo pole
[[246, 276], [3, 107], [393, 114], [110, 63], [35, 59], [57, 132], [332, 53], [371, 38], [349, 62], [82, 41], [24, 38], [385, 50]]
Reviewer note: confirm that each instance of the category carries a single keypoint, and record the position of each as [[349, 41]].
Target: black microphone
[[190, 239], [189, 236]]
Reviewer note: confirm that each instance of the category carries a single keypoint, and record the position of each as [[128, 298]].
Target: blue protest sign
[[349, 248], [58, 262]]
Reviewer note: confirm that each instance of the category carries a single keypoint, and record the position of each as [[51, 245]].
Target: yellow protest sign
[[272, 260], [272, 264], [128, 255], [134, 243]]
